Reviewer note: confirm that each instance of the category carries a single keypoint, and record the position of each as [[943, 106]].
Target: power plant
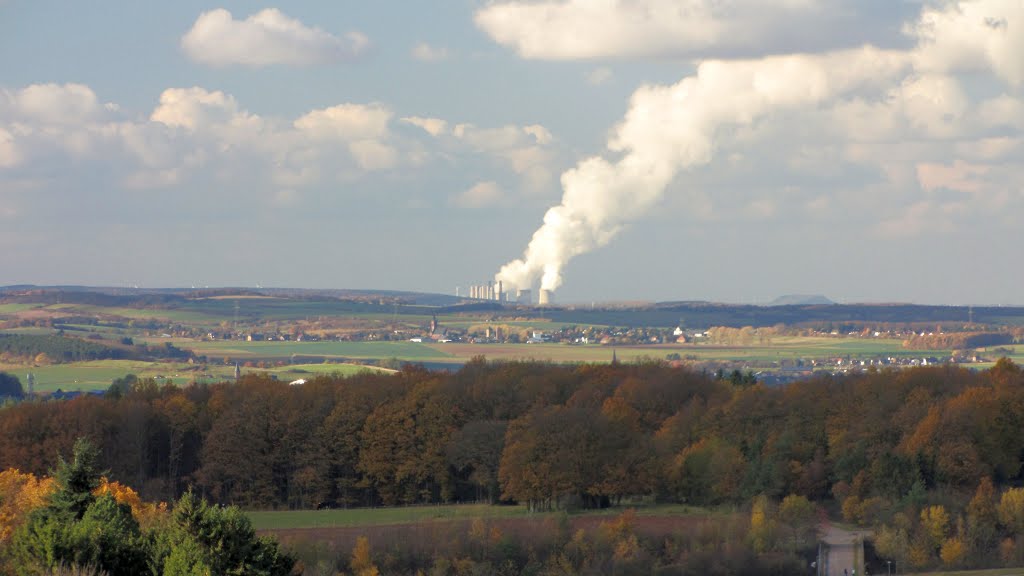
[[495, 291], [488, 291]]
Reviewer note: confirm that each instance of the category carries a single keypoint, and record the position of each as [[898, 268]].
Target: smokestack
[[499, 295], [545, 297]]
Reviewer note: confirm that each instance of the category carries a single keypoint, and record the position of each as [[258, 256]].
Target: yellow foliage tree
[[145, 513], [852, 509], [953, 552], [1011, 510], [20, 493], [362, 563], [935, 523]]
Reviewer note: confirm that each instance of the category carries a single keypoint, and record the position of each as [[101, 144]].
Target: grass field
[[410, 351], [98, 374], [13, 308], [779, 349], [95, 375], [291, 519]]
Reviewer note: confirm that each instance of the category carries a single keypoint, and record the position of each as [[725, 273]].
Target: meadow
[[781, 348], [408, 351], [98, 374]]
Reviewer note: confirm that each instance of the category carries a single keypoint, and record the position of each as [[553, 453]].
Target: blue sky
[[729, 151]]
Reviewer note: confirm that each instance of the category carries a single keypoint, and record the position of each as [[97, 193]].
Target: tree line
[[56, 348], [549, 436], [78, 522]]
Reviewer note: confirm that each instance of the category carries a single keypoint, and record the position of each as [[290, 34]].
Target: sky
[[610, 150]]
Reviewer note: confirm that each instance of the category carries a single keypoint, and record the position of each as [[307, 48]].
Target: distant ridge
[[405, 297], [801, 300]]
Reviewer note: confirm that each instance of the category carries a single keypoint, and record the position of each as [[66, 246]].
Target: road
[[843, 553]]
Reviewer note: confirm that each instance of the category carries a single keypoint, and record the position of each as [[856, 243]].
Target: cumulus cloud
[[196, 135], [51, 103], [195, 107], [970, 36], [426, 53], [526, 149], [481, 195], [433, 126], [585, 29], [346, 122], [267, 37]]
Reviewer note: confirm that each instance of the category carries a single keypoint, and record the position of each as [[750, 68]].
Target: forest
[[929, 456], [54, 347]]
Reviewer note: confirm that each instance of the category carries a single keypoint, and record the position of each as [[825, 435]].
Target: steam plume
[[673, 128]]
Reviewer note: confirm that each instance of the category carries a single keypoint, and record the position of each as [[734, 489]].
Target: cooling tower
[[523, 297], [545, 297]]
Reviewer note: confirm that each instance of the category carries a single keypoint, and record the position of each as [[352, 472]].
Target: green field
[[98, 374], [13, 308], [410, 351], [284, 519], [779, 349]]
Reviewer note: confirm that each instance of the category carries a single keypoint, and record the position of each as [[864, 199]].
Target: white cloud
[[585, 29], [195, 139], [433, 126], [346, 122], [51, 103], [896, 116], [972, 35], [195, 108], [426, 53], [265, 38], [539, 133], [372, 155], [526, 149], [481, 195]]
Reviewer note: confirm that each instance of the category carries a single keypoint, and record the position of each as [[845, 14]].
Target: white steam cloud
[[674, 128], [671, 129]]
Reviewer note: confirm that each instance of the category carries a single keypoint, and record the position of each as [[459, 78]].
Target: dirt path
[[843, 549]]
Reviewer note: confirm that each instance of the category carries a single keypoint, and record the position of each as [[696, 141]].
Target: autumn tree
[[799, 516]]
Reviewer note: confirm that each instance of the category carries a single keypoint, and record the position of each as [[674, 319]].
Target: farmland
[[98, 374], [408, 351], [155, 333]]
